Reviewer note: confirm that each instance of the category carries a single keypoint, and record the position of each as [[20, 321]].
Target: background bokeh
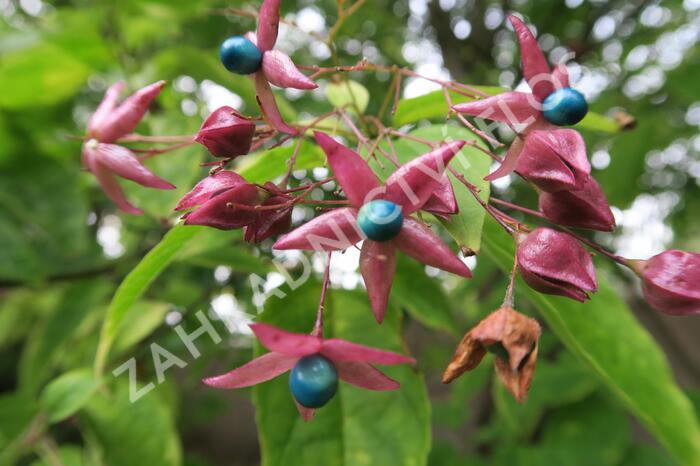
[[64, 248]]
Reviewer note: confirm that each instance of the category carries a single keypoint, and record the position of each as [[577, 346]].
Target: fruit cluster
[[389, 216]]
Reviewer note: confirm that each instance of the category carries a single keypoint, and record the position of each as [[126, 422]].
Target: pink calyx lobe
[[354, 362], [110, 122], [410, 187], [277, 68]]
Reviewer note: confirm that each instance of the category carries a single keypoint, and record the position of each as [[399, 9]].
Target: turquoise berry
[[380, 220], [241, 56], [565, 107], [313, 381]]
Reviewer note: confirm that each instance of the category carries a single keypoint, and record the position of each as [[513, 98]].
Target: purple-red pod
[[228, 210], [226, 134], [210, 187], [584, 208], [270, 223], [554, 262], [554, 160], [671, 281]]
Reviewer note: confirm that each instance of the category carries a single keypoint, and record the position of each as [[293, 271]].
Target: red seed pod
[[585, 208], [222, 201], [225, 211], [671, 282], [553, 262], [270, 223], [210, 187], [512, 337], [554, 160], [226, 134]]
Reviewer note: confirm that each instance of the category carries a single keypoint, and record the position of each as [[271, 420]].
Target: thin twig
[[318, 326]]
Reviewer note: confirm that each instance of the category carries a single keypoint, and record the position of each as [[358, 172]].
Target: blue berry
[[565, 107], [380, 220], [241, 56], [313, 381]]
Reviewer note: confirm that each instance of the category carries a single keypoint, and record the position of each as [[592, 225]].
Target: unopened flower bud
[[273, 222], [554, 160], [225, 134], [671, 281], [584, 208], [553, 262], [224, 200]]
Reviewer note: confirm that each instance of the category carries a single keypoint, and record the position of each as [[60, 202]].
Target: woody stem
[[586, 241], [318, 326], [164, 139], [495, 213], [147, 153], [508, 301]]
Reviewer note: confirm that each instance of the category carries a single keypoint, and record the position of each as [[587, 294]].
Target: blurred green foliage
[[65, 250]]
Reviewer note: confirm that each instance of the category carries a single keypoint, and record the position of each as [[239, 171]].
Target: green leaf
[[42, 75], [17, 413], [140, 321], [559, 383], [224, 247], [19, 416], [15, 321], [68, 393], [593, 431], [239, 258], [597, 122], [138, 433], [646, 455], [51, 336], [433, 106], [422, 296], [137, 282], [264, 166], [67, 455], [348, 93], [473, 164], [605, 335], [357, 426], [42, 230]]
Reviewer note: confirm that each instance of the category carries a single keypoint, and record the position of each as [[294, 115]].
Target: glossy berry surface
[[565, 107], [313, 381], [240, 56], [380, 220]]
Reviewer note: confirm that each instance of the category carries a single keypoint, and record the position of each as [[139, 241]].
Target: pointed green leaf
[[141, 432], [137, 282], [348, 93], [68, 393]]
